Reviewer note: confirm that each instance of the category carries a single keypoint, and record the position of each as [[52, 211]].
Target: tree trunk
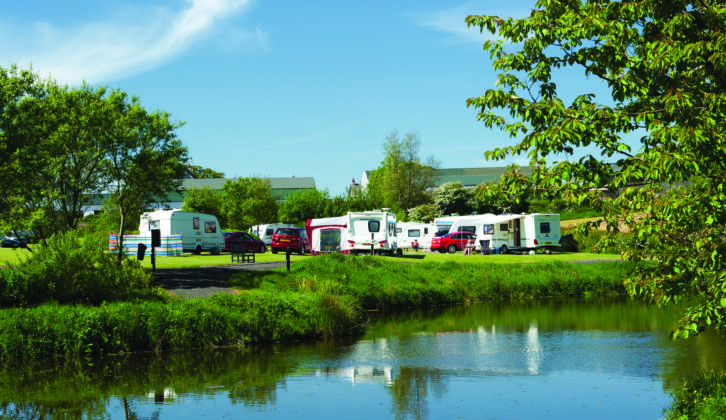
[[121, 229]]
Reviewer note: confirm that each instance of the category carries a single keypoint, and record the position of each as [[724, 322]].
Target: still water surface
[[545, 359]]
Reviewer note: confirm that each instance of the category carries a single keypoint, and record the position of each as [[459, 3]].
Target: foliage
[[700, 397], [510, 195], [401, 181], [222, 320], [72, 269], [248, 202], [424, 213], [664, 67], [453, 198], [205, 200], [303, 205], [200, 172]]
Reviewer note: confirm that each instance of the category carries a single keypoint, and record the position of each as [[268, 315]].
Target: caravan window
[[488, 229], [504, 227], [471, 229], [154, 224], [196, 223], [426, 231], [269, 232], [399, 230], [414, 233], [544, 227], [210, 227]]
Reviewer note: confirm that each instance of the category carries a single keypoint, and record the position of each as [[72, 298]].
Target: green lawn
[[14, 256]]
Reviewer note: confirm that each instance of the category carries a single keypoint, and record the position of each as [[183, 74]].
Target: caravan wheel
[[263, 249], [198, 250], [503, 249]]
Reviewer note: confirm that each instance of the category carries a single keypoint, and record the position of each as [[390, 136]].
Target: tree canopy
[[664, 66], [248, 202]]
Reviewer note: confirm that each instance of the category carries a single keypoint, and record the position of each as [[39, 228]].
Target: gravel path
[[204, 281]]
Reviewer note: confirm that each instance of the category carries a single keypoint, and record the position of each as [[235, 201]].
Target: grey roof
[[275, 183]]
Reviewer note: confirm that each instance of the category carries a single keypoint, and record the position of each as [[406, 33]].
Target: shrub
[[72, 269]]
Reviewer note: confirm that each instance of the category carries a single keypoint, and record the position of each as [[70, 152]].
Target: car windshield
[[286, 231], [227, 234]]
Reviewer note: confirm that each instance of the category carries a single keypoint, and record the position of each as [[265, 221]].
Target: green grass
[[377, 283]]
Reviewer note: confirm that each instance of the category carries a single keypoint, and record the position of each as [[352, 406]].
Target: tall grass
[[700, 397], [222, 320], [376, 283]]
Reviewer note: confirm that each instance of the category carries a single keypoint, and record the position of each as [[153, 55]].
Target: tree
[[304, 205], [402, 180], [146, 160], [454, 198], [509, 195], [425, 213], [664, 67], [205, 200], [248, 202], [199, 172]]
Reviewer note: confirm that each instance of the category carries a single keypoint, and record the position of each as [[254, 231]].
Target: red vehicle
[[294, 238], [251, 243], [452, 242]]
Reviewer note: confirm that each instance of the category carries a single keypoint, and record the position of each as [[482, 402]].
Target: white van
[[359, 238], [265, 232], [199, 231], [512, 231], [407, 232]]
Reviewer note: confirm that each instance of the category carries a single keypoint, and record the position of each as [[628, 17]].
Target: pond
[[599, 358]]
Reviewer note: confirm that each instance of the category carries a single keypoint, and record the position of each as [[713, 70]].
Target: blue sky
[[278, 88]]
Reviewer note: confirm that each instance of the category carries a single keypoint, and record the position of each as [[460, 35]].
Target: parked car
[[294, 238], [10, 242], [243, 238], [452, 242]]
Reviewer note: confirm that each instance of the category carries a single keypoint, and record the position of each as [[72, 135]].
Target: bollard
[[287, 258]]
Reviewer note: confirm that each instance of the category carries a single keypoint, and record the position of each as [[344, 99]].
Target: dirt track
[[204, 281]]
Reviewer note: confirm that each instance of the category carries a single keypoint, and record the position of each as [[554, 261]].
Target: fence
[[171, 245]]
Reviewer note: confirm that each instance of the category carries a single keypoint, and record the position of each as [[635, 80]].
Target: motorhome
[[407, 232], [199, 231], [265, 232], [376, 228], [512, 231]]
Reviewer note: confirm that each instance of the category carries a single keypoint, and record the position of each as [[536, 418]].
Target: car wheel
[[451, 249], [503, 249], [263, 249], [274, 250]]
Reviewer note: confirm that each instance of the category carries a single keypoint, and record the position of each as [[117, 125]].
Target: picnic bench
[[240, 254]]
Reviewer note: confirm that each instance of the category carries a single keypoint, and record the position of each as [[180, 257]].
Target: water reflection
[[603, 358]]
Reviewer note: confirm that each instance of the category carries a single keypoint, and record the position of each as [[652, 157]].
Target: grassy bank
[[222, 320], [378, 283]]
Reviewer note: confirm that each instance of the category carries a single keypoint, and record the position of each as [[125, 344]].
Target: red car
[[452, 242], [251, 243], [294, 238]]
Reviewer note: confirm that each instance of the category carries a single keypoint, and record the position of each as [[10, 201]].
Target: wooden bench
[[240, 255]]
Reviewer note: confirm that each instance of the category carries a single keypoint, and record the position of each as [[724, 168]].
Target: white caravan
[[265, 232], [407, 232], [199, 231], [444, 224], [359, 237], [512, 231]]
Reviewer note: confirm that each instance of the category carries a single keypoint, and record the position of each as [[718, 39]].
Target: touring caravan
[[444, 224], [265, 232], [384, 240], [199, 231], [327, 235], [512, 231], [407, 232]]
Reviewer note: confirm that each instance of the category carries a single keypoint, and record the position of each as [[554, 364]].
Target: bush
[[72, 269], [701, 397]]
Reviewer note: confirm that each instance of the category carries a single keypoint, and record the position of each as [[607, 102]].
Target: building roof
[[469, 177], [305, 182]]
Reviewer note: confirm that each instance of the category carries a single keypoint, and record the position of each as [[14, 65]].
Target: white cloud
[[452, 21], [135, 40]]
